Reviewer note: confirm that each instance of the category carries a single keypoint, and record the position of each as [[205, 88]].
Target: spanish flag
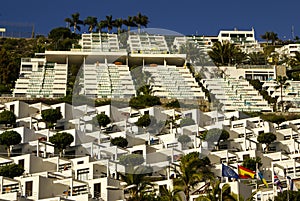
[[245, 173]]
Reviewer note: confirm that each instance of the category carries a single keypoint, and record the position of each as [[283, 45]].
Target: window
[[28, 188], [97, 190], [12, 108], [80, 162], [21, 163], [161, 189], [83, 174], [246, 156], [188, 115]]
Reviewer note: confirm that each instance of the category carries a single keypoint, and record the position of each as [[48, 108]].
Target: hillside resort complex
[[213, 99]]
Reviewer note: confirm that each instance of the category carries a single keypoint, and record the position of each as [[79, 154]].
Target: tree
[[143, 121], [274, 118], [256, 84], [273, 37], [11, 170], [215, 135], [226, 53], [9, 138], [266, 138], [74, 22], [266, 36], [91, 22], [100, 25], [118, 23], [216, 192], [119, 141], [257, 58], [293, 195], [108, 22], [50, 116], [141, 20], [192, 170], [250, 163], [270, 36], [8, 71], [129, 23], [184, 139], [61, 39], [168, 195], [61, 141], [282, 84], [103, 120], [143, 101], [136, 183], [145, 90], [7, 117], [131, 160], [187, 122]]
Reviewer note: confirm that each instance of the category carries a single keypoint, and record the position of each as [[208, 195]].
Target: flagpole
[[256, 166], [273, 181], [238, 187], [287, 184]]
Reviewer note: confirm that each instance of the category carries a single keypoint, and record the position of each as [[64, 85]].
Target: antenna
[[293, 35]]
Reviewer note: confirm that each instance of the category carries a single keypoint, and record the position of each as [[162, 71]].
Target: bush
[[119, 141], [11, 171], [143, 121], [187, 122], [143, 101], [103, 120], [7, 117], [131, 159], [184, 139]]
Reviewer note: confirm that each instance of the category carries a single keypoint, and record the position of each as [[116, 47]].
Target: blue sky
[[186, 17]]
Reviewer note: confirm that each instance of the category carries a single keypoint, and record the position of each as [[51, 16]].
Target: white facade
[[41, 79], [237, 36]]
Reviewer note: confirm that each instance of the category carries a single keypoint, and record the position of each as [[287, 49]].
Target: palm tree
[[108, 23], [282, 84], [273, 37], [216, 193], [129, 22], [136, 182], [74, 22], [192, 170], [270, 36], [91, 22], [170, 195], [118, 23], [100, 25], [141, 20], [266, 36], [225, 54], [256, 58]]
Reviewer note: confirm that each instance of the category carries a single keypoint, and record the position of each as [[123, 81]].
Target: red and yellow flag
[[245, 173]]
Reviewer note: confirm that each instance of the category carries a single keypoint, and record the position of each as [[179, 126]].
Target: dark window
[[97, 190], [12, 108], [21, 163], [246, 156], [161, 189], [188, 115], [28, 188]]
